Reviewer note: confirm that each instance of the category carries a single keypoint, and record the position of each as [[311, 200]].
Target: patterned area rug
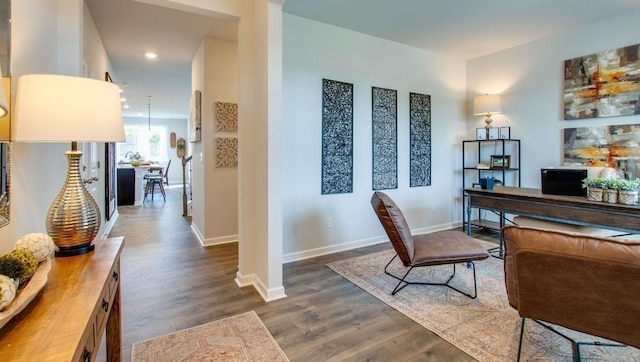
[[239, 338], [486, 328]]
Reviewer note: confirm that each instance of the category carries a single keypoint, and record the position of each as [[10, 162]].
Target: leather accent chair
[[585, 283], [438, 248]]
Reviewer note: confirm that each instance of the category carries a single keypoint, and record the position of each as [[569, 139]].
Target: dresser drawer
[[87, 348], [114, 279]]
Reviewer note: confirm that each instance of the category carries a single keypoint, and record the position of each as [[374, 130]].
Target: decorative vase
[[627, 197], [594, 194], [610, 196]]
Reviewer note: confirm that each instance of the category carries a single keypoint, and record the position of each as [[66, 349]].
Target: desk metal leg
[[501, 252], [499, 249], [468, 197]]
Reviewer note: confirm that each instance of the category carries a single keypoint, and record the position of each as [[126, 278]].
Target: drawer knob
[[115, 276], [105, 305], [86, 355]]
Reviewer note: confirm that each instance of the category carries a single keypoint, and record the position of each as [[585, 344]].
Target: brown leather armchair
[[585, 283], [438, 248]]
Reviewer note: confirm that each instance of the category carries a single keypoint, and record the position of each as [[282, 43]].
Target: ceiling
[[461, 28]]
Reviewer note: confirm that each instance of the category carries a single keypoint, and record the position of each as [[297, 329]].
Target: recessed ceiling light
[[123, 99], [151, 55], [125, 106]]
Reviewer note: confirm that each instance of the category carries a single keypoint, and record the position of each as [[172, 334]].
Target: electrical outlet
[[329, 222]]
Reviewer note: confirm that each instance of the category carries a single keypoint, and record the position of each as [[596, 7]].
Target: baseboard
[[330, 249], [253, 280], [213, 241], [108, 225], [199, 235], [220, 240]]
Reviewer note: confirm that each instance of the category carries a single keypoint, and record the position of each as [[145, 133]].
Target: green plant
[[612, 184], [594, 183], [630, 185]]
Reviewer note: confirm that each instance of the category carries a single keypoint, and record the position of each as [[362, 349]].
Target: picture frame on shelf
[[481, 134], [505, 133], [494, 133], [500, 161]]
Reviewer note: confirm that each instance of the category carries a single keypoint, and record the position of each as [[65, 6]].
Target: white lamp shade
[[58, 108], [487, 104]]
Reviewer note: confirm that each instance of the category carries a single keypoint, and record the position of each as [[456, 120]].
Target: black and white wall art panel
[[337, 137], [384, 119], [420, 139]]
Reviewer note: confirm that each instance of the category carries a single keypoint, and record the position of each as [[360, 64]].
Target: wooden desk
[[568, 209], [66, 321], [574, 210]]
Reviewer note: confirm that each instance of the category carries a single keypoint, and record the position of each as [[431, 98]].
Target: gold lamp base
[[73, 220]]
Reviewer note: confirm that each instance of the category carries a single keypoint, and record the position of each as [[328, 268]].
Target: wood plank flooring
[[170, 282]]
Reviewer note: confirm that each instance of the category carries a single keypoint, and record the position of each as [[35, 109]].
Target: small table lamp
[[487, 105], [56, 108]]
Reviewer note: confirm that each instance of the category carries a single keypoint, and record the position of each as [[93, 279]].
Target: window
[[150, 144]]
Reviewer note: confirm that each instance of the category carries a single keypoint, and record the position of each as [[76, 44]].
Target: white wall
[[36, 48], [215, 205], [530, 80], [313, 51], [221, 190]]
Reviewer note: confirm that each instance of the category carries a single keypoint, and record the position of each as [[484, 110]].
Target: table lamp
[[57, 108], [487, 105]]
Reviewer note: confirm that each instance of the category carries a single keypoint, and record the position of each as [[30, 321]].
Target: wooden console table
[[530, 202], [67, 319]]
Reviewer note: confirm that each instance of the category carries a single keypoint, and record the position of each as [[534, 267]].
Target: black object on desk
[[559, 181]]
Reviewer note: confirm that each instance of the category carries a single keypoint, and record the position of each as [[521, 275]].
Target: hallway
[[170, 282]]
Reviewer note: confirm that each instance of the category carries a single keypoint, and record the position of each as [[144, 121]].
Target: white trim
[[220, 240], [199, 235], [254, 281], [108, 225], [312, 253]]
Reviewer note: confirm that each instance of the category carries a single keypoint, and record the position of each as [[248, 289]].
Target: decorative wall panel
[[603, 84], [226, 116], [384, 119], [420, 139], [337, 137], [226, 152]]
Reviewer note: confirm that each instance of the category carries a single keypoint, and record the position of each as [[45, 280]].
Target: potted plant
[[611, 187], [595, 188], [628, 192]]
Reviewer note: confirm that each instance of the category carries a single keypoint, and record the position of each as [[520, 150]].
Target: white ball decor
[[7, 291], [41, 245]]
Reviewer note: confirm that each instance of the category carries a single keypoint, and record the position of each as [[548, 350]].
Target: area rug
[[239, 338], [486, 328]]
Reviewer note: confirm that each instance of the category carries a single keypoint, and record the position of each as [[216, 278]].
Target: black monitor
[[563, 181]]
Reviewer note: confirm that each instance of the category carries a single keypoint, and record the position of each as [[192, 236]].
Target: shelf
[[492, 225], [477, 152], [498, 140], [492, 169]]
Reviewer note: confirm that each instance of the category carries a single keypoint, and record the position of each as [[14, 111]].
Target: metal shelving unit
[[476, 151]]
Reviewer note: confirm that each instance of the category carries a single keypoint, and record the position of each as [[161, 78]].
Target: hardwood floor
[[170, 282]]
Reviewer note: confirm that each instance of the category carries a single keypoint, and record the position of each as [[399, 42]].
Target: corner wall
[[313, 51]]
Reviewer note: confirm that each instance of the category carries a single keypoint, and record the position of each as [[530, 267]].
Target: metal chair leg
[[575, 345], [445, 284]]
